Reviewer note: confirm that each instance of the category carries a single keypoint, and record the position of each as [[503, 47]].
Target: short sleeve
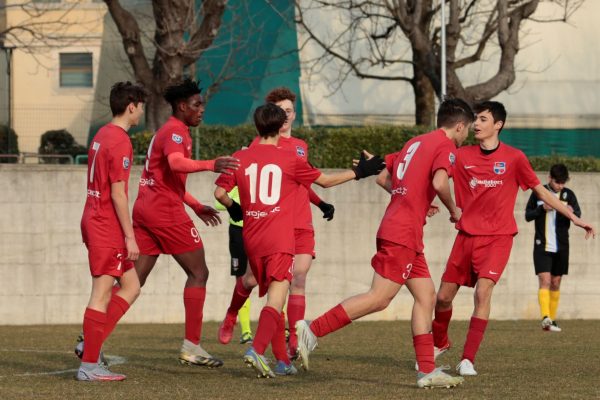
[[444, 158], [526, 177], [175, 142], [120, 162], [305, 174], [389, 162], [226, 181]]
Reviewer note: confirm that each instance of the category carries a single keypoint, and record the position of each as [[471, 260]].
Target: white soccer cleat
[[554, 327], [307, 341], [93, 372], [438, 378], [437, 351], [194, 354], [466, 368], [546, 323]]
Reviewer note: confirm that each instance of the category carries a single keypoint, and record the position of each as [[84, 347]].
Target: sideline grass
[[367, 360]]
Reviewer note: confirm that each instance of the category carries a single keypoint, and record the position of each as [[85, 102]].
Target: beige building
[[53, 77]]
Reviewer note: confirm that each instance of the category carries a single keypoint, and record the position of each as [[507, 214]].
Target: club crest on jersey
[[177, 138], [126, 163], [499, 167], [300, 151], [452, 158]]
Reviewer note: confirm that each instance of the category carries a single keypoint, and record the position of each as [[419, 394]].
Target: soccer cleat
[[466, 368], [554, 327], [546, 323], [438, 378], [437, 351], [285, 369], [246, 338], [79, 352], [259, 363], [97, 373], [226, 329], [307, 342], [194, 354]]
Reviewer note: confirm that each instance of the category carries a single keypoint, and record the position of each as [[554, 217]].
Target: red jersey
[[160, 197], [109, 159], [303, 215], [267, 180], [412, 170], [486, 188]]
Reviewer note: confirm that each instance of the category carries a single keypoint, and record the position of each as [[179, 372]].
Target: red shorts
[[398, 263], [274, 267], [108, 261], [475, 257], [305, 241], [175, 239]]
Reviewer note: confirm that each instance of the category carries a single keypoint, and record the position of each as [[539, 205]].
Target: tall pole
[[443, 47]]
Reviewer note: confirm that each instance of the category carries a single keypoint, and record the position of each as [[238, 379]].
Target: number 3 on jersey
[[403, 166], [269, 183]]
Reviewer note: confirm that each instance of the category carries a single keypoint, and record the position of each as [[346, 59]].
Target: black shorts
[[239, 261], [555, 263]]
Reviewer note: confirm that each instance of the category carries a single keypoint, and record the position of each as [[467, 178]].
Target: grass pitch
[[367, 360]]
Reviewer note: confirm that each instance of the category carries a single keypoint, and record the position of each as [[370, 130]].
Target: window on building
[[76, 70]]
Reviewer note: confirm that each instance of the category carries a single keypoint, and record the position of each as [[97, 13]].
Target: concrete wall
[[44, 276]]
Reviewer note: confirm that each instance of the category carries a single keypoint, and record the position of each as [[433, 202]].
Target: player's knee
[[298, 283], [443, 301], [249, 282], [381, 303]]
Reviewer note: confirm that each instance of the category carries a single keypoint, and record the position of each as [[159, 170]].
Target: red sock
[[278, 342], [295, 312], [440, 327], [474, 338], [267, 327], [239, 297], [93, 329], [193, 300], [117, 307], [331, 321], [423, 345]]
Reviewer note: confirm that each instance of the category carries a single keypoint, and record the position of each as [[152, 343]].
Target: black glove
[[368, 167], [328, 210], [235, 212]]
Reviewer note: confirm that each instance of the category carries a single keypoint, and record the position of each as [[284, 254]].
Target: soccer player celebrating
[[413, 177], [107, 229], [161, 223], [304, 231], [239, 268], [551, 248], [267, 181], [486, 180]]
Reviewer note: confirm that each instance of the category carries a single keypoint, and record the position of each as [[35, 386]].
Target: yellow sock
[[244, 317], [544, 299], [554, 297]]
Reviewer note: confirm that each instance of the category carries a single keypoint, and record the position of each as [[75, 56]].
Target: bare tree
[[181, 36], [399, 40]]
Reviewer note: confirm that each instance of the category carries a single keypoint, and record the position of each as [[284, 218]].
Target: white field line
[[112, 360]]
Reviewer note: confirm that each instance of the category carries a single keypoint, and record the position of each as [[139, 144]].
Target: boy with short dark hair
[[107, 229], [551, 245], [267, 180]]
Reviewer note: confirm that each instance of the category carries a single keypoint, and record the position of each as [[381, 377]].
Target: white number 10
[[403, 166], [269, 184]]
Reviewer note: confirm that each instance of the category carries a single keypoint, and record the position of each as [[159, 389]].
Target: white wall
[[44, 277]]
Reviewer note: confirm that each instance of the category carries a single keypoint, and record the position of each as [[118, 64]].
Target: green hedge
[[335, 147]]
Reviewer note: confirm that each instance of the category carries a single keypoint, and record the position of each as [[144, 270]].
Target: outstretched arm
[[543, 194], [384, 179], [178, 163]]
